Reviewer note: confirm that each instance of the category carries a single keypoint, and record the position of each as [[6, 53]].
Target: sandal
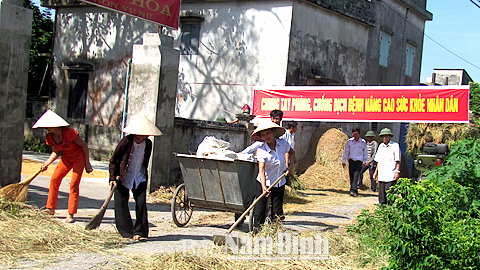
[[48, 211], [139, 238], [70, 219]]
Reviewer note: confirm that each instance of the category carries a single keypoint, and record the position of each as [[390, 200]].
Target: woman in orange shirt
[[75, 155]]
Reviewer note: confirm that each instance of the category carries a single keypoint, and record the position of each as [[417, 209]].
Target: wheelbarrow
[[215, 184]]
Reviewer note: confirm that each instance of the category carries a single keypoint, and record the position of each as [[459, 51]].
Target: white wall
[[103, 39], [326, 44], [241, 44]]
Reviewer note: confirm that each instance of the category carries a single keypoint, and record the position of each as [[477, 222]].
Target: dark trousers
[[382, 191], [354, 169], [123, 220], [260, 209], [371, 170]]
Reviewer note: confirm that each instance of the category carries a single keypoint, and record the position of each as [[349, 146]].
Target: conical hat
[[142, 126], [50, 119], [279, 131]]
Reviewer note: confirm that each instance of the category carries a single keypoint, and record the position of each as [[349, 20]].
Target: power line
[[443, 47], [475, 3]]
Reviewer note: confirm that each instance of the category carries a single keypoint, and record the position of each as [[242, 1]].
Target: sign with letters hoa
[[424, 104], [164, 12]]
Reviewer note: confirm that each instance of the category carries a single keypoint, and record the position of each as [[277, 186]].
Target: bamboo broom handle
[[253, 204], [31, 177]]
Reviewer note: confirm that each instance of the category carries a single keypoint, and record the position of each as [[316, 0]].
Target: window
[[385, 40], [189, 39], [77, 95], [409, 61]]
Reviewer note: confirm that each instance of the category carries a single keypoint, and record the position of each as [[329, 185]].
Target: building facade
[[227, 47]]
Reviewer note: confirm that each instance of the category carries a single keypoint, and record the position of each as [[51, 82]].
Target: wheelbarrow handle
[[254, 202]]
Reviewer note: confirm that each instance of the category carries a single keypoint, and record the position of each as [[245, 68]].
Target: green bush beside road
[[434, 224]]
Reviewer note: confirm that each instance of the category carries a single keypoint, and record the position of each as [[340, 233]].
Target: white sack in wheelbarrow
[[215, 148]]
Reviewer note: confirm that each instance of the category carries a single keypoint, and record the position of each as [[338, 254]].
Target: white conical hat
[[279, 131], [142, 126], [50, 119]]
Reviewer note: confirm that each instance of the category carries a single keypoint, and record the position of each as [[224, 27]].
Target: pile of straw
[[327, 171], [26, 233], [420, 133], [302, 165], [162, 195]]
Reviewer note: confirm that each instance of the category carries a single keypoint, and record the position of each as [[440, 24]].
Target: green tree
[[475, 98], [40, 48]]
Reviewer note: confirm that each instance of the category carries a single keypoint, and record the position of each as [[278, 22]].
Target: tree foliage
[[474, 103], [434, 224], [41, 46]]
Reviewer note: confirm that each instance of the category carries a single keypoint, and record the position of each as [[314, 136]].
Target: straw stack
[[327, 171]]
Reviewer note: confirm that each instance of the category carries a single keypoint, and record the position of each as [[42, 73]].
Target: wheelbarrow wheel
[[181, 208]]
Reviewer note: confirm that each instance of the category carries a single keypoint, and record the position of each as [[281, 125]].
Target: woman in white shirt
[[271, 157]]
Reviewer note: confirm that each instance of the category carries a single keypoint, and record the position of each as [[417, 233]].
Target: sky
[[455, 26]]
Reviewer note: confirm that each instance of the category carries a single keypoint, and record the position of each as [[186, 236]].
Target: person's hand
[[113, 184], [343, 165], [397, 175], [368, 163], [287, 171], [265, 190], [88, 167], [43, 167], [375, 174]]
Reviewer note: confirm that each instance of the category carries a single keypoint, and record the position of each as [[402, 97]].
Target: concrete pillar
[[152, 92], [15, 35]]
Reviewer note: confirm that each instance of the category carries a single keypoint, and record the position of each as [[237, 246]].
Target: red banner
[[442, 104], [164, 12]]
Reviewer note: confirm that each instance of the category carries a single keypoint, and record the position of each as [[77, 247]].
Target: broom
[[97, 219], [220, 240], [17, 192]]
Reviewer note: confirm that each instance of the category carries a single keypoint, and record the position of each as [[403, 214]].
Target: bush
[[36, 146], [433, 224]]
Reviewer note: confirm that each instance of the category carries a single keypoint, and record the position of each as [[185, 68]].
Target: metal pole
[[43, 79], [127, 81]]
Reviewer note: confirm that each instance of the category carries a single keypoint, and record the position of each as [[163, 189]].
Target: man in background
[[388, 165], [356, 151], [289, 135], [371, 164]]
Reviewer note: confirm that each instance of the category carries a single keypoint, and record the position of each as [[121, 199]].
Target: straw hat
[[370, 134], [385, 131], [279, 131], [50, 119], [142, 126]]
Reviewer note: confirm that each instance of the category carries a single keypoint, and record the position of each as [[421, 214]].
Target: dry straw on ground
[[343, 254], [163, 195], [28, 234], [30, 166]]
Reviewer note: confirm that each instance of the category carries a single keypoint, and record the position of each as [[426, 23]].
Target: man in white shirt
[[388, 164], [289, 136], [356, 151]]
